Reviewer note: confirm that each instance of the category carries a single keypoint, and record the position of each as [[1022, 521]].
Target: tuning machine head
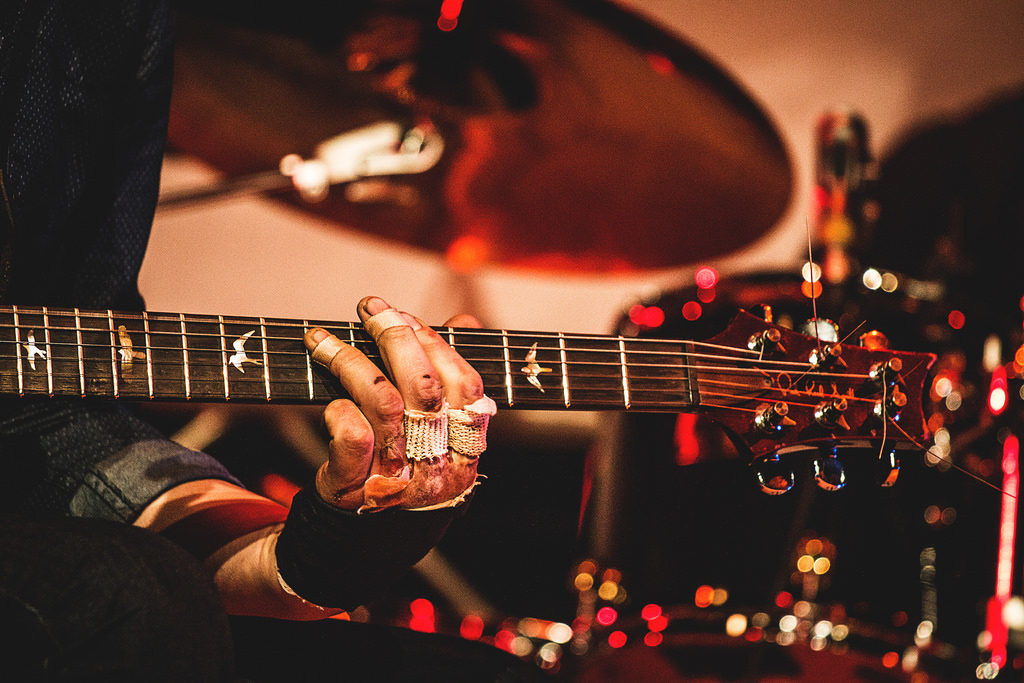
[[829, 414], [770, 418], [827, 356], [886, 373], [894, 402], [766, 342]]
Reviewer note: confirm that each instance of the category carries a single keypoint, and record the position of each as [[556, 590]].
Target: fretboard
[[170, 356]]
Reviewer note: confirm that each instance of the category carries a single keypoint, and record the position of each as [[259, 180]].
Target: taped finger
[[467, 428]]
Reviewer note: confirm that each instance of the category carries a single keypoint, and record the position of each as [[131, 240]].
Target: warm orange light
[[704, 596], [890, 659], [467, 253], [811, 290], [661, 64], [279, 489]]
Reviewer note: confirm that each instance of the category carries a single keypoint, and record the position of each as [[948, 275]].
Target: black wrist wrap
[[337, 558]]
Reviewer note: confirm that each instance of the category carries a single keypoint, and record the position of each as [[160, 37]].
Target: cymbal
[[578, 137]]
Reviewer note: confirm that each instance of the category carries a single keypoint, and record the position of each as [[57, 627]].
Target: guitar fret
[[184, 357], [81, 351], [113, 354], [508, 368], [625, 378], [49, 352], [17, 351], [149, 353], [309, 364], [266, 356], [224, 357], [565, 369]]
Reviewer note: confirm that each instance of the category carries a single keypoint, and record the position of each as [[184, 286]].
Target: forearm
[[245, 572]]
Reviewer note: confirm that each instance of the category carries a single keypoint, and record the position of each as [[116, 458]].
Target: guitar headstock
[[780, 392]]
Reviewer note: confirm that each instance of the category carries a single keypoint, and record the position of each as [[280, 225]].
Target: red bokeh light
[[617, 639], [472, 627], [449, 19], [606, 616], [503, 639], [650, 611], [653, 639], [658, 623], [784, 599], [422, 608], [956, 319], [706, 277], [692, 310]]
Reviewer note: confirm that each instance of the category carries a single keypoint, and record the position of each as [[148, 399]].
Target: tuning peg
[[773, 477], [828, 472], [771, 418], [892, 406], [891, 469], [821, 329], [829, 355], [767, 341], [829, 414], [886, 373]]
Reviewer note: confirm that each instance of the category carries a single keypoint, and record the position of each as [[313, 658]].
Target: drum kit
[[576, 137]]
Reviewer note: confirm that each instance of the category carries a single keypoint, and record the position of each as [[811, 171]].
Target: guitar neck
[[185, 357]]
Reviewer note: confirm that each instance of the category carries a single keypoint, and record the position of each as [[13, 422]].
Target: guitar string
[[176, 321], [198, 358], [370, 353]]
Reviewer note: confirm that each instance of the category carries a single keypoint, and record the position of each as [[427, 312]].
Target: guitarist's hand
[[369, 464]]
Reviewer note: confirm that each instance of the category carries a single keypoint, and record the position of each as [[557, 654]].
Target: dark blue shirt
[[84, 95]]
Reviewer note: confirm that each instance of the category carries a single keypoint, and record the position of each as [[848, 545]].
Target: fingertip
[[314, 336], [463, 320], [370, 306]]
